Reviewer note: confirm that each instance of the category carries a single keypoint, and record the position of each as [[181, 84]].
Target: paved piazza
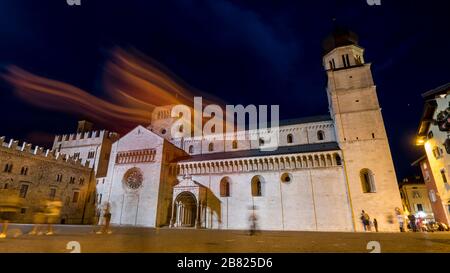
[[132, 239]]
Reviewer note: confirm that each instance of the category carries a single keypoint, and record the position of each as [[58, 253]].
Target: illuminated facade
[[326, 170], [433, 134], [415, 197]]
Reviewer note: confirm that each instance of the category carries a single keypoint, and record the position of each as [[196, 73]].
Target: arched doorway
[[186, 210]]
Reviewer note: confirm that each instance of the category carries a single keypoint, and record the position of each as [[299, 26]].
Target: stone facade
[[361, 135], [324, 172], [93, 147], [36, 175]]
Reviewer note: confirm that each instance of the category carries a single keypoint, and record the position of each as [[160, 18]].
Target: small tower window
[[211, 147], [225, 187], [320, 135], [256, 186], [290, 138], [191, 149], [367, 181]]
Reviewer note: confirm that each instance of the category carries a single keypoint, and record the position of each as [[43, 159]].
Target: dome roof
[[339, 37]]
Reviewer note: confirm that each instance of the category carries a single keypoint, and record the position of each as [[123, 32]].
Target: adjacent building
[[415, 197], [37, 175], [434, 135]]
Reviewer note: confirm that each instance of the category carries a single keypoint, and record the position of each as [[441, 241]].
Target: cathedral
[[325, 172]]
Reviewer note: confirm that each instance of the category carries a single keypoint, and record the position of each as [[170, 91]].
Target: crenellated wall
[[45, 154], [36, 174], [92, 147]]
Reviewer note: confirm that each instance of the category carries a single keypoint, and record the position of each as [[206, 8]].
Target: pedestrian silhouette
[[106, 219], [253, 221]]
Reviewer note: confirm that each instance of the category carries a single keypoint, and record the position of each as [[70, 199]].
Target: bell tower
[[360, 131]]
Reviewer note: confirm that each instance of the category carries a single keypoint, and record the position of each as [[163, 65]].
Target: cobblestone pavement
[[132, 239]]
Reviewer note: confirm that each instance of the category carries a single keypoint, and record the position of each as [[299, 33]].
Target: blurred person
[[253, 221], [419, 223], [96, 221], [375, 224], [52, 213], [10, 204], [400, 219], [39, 219], [106, 220], [412, 222], [365, 219]]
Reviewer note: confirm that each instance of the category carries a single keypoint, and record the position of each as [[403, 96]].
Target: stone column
[[198, 223], [178, 214], [172, 219], [181, 214]]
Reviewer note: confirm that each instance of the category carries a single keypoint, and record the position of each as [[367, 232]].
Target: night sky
[[245, 52]]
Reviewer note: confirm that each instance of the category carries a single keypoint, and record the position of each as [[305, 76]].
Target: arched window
[[211, 147], [235, 144], [180, 129], [337, 159], [8, 168], [286, 177], [191, 149], [290, 138], [256, 186], [24, 170], [367, 181], [225, 187], [320, 135]]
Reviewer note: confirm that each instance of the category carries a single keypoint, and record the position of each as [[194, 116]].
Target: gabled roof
[[294, 149]]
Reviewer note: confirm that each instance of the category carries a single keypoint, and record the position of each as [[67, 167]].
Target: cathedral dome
[[339, 37]]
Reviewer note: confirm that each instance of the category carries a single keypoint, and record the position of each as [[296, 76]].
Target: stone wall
[[42, 172]]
